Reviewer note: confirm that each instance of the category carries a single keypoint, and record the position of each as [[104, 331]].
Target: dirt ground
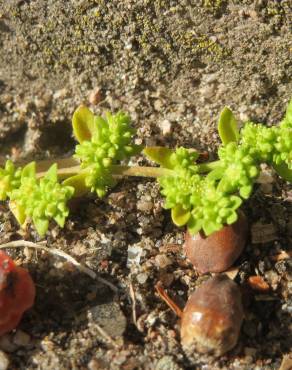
[[173, 65]]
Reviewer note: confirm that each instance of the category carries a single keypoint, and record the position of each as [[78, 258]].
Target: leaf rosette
[[40, 199], [104, 141]]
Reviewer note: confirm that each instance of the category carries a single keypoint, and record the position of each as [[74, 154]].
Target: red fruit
[[17, 293], [212, 317], [217, 252]]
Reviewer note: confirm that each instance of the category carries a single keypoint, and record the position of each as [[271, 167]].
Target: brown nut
[[217, 252], [212, 317]]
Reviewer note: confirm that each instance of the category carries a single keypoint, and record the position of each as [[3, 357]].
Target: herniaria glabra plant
[[203, 196]]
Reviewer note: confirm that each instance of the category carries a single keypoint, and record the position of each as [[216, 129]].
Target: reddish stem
[[163, 295]]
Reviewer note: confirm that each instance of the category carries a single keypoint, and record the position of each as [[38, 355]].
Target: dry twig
[[106, 336], [59, 253], [133, 298], [165, 297]]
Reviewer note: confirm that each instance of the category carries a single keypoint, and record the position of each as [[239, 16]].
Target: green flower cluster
[[180, 189], [212, 209], [40, 200], [260, 141], [99, 179], [196, 200], [9, 179], [110, 143], [272, 145], [240, 169], [184, 161], [210, 202]]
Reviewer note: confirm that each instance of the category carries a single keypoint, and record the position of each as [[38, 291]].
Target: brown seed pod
[[212, 317], [217, 252]]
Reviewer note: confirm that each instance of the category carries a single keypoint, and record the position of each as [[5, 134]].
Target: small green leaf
[[83, 124], [235, 201], [224, 185], [227, 127], [232, 218], [51, 174], [215, 174], [194, 225], [160, 155], [210, 227], [18, 212], [28, 170], [283, 170], [100, 122], [60, 219], [78, 183], [245, 191], [41, 225], [179, 215]]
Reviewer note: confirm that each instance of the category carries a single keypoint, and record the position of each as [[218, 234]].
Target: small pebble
[[273, 278], [6, 343], [96, 364], [162, 261], [144, 206], [60, 94], [165, 127], [142, 278], [4, 361], [21, 338], [207, 91], [134, 255], [95, 96], [167, 363], [110, 317], [158, 104], [265, 177]]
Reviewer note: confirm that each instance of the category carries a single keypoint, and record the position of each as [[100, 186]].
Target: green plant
[[40, 199], [102, 143], [203, 196]]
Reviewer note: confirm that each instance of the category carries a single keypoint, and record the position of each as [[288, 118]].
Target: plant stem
[[116, 171], [44, 165], [207, 167], [119, 170], [70, 166], [63, 173], [140, 171]]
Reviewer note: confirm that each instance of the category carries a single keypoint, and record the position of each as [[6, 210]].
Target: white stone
[[4, 361]]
